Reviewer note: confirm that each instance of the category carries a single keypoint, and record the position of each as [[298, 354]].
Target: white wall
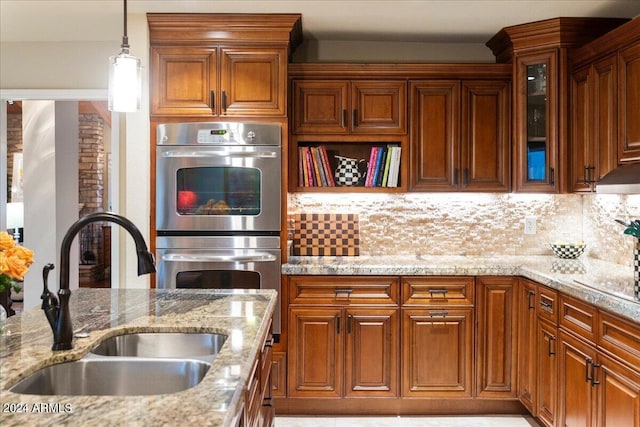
[[54, 67]]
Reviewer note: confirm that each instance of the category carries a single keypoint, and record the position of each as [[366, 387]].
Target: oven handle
[[222, 153], [257, 257]]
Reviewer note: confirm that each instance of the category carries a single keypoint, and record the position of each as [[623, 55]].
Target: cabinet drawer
[[620, 337], [578, 317], [433, 291], [547, 303], [343, 290]]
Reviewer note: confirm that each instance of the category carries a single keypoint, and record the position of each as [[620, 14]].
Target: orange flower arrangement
[[14, 262]]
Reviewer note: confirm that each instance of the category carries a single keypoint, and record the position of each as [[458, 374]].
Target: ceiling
[[464, 21]]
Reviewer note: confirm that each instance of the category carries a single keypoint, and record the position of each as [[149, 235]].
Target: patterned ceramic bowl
[[568, 250]]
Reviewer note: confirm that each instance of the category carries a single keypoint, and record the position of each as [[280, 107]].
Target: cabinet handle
[[531, 294], [349, 320], [551, 340], [588, 175], [438, 313], [338, 325], [465, 176], [455, 176], [594, 366], [344, 118], [343, 291], [355, 118], [546, 304], [212, 100], [552, 178], [588, 372], [224, 100], [438, 291]]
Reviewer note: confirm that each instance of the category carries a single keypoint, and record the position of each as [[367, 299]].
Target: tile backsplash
[[480, 224]]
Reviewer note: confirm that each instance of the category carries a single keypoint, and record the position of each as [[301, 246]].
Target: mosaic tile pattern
[[481, 224]]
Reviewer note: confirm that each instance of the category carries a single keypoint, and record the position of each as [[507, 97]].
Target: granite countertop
[[604, 284], [243, 315]]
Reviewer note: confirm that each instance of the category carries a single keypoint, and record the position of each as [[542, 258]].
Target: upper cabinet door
[[379, 107], [536, 122], [582, 153], [485, 136], [320, 106], [183, 81], [629, 104], [349, 107], [434, 138], [253, 82]]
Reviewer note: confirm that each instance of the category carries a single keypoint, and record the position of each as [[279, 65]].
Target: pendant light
[[125, 77]]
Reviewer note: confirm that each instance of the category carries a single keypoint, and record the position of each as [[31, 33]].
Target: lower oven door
[[186, 264]]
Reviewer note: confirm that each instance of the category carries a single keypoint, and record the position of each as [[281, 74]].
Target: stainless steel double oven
[[218, 189]]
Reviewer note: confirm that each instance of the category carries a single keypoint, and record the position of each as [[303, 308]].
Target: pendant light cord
[[125, 39]]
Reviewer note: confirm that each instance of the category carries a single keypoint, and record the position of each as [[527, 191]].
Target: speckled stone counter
[[604, 284], [25, 346]]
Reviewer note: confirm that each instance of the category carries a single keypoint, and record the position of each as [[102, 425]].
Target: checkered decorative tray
[[326, 235]]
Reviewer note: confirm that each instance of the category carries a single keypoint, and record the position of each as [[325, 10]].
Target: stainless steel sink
[[114, 377], [162, 344]]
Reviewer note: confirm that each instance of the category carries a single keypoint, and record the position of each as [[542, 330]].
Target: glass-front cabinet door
[[536, 123]]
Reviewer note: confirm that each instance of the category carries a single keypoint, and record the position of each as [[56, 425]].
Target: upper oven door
[[218, 188]]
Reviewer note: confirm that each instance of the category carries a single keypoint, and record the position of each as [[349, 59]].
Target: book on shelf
[[384, 166], [314, 167]]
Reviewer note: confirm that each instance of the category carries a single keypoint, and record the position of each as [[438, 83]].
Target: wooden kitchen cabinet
[[315, 352], [619, 394], [437, 352], [608, 121], [546, 360], [496, 337], [212, 65], [527, 339], [629, 102], [437, 336], [219, 81], [343, 338], [594, 120], [461, 135], [540, 53], [349, 107]]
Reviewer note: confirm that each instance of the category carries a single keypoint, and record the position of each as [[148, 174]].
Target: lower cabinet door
[[371, 357], [547, 373], [619, 398], [437, 352], [315, 352], [576, 394]]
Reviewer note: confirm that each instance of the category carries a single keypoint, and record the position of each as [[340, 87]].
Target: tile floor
[[430, 421]]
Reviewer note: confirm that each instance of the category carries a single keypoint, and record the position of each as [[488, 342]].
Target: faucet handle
[[46, 297]]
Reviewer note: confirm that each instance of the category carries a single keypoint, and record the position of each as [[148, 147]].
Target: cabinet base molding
[[398, 406]]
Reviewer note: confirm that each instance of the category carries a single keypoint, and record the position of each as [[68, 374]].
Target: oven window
[[223, 190], [218, 279]]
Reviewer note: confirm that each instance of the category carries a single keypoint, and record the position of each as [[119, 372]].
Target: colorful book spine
[[371, 167], [394, 170], [310, 172], [387, 164], [380, 167], [327, 166]]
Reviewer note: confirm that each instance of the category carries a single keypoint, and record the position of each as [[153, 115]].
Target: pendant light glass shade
[[125, 83], [125, 77]]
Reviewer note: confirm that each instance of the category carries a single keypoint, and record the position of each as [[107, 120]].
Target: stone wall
[[14, 145], [480, 224]]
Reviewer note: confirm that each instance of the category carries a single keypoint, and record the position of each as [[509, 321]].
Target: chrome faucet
[[57, 309]]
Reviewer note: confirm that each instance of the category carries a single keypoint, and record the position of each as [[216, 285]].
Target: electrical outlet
[[530, 225]]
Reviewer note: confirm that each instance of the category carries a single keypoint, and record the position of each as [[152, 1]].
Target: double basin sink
[[130, 365]]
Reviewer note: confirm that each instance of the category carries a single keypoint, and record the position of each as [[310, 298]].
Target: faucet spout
[[57, 309]]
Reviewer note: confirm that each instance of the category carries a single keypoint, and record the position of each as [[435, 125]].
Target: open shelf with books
[[348, 166]]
